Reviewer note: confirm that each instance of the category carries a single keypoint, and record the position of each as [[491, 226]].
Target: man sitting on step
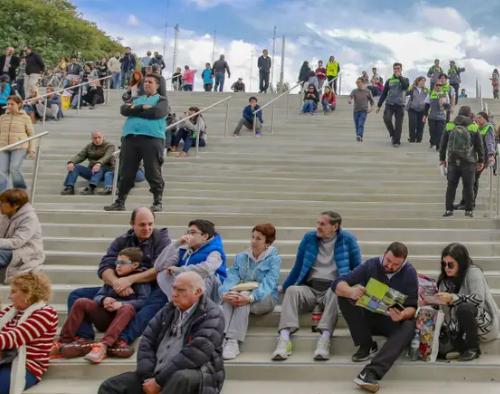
[[181, 349], [323, 255], [151, 241], [393, 270]]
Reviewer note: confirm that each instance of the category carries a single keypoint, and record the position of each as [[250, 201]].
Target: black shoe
[[367, 381], [88, 191], [118, 205], [447, 214], [157, 207], [105, 192], [459, 207], [469, 355], [396, 145], [364, 353], [469, 214], [68, 191]]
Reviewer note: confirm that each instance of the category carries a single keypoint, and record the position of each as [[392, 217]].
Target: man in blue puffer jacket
[[323, 255]]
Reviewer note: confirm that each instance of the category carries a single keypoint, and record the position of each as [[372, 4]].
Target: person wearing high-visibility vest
[[332, 72]]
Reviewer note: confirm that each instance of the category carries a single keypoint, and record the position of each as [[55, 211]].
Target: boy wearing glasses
[[108, 311]]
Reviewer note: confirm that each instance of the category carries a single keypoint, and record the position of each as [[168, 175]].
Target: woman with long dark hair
[[470, 310]]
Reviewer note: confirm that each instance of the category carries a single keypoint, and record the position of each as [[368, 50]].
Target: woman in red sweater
[[27, 331], [328, 100]]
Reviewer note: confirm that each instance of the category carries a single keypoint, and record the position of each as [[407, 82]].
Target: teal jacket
[[151, 122]]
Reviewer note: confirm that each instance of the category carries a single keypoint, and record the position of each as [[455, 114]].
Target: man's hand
[[356, 292], [107, 301], [126, 292], [121, 284], [424, 119], [443, 163], [146, 106], [378, 110], [396, 315], [70, 166], [479, 167], [116, 305], [173, 270], [96, 168], [184, 239], [349, 101], [151, 387]]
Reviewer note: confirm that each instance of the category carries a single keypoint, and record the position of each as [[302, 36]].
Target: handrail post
[[36, 165], [79, 97], [498, 181], [108, 84], [272, 118], [116, 174], [254, 124], [226, 124], [197, 143], [490, 204], [44, 112]]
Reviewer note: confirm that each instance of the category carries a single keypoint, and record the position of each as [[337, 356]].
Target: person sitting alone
[[108, 311], [180, 350], [248, 118], [99, 154], [328, 100], [238, 86], [188, 132], [311, 99], [54, 107]]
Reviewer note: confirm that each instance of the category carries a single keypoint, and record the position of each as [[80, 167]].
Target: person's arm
[[260, 63], [477, 289], [345, 285], [40, 62], [80, 156], [29, 133], [169, 257], [23, 233], [443, 146], [429, 73], [427, 108], [108, 155], [233, 277], [297, 267], [228, 70], [148, 347], [142, 291], [478, 146], [405, 82], [383, 96], [490, 143], [102, 294], [206, 268], [354, 254], [270, 281], [158, 111], [370, 99]]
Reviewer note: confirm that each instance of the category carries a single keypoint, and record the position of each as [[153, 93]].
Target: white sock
[[285, 334], [326, 334]]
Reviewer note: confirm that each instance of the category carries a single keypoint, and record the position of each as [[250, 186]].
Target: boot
[[157, 204], [118, 205]]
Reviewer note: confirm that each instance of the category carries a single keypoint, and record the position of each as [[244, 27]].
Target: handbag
[[245, 286]]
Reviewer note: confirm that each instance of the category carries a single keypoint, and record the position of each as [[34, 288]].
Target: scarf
[[18, 367]]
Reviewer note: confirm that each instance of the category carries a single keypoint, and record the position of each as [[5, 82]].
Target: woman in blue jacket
[[4, 93], [257, 269]]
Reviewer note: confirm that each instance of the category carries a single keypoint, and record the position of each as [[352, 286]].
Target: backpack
[[460, 144]]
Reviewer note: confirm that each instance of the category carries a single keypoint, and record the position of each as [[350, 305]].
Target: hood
[[25, 209], [462, 121], [270, 251]]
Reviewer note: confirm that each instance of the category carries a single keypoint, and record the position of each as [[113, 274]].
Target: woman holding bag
[[251, 286], [27, 330]]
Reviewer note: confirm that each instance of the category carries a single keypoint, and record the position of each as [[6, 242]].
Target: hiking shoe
[[120, 349], [68, 191], [97, 354], [367, 381], [77, 348], [116, 206], [283, 350], [231, 349], [447, 214], [157, 206], [396, 145], [322, 352], [469, 214], [105, 192], [469, 355], [88, 191], [365, 352]]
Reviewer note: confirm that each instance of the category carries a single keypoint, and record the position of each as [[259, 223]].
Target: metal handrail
[[36, 164], [117, 152], [271, 102]]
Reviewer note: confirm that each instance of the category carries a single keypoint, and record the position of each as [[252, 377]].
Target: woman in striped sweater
[[27, 331]]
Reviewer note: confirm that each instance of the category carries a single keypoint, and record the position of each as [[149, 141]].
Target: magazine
[[379, 297]]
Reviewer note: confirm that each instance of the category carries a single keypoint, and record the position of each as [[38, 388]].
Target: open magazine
[[379, 297]]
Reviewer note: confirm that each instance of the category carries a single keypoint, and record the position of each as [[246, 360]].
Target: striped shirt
[[37, 333]]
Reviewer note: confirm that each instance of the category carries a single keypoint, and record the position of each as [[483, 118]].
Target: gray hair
[[194, 279]]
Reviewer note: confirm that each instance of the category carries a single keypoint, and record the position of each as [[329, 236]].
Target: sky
[[360, 33]]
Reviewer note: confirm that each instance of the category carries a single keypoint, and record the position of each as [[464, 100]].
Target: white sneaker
[[322, 352], [283, 350], [231, 349]]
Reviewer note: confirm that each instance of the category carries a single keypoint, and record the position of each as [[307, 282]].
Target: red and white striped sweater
[[37, 333]]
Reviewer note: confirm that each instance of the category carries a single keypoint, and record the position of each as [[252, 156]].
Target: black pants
[[456, 86], [468, 338], [396, 129], [186, 381], [264, 81], [148, 149], [436, 129], [332, 82], [475, 188], [363, 324], [416, 126], [456, 171]]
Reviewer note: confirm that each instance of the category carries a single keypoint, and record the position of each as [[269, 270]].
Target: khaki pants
[[31, 82], [300, 299]]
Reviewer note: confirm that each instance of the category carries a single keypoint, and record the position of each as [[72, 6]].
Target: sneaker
[[469, 214], [97, 354], [283, 350], [156, 207], [358, 138], [236, 134], [447, 214], [365, 353], [68, 191], [367, 381], [469, 355], [77, 348], [107, 191], [116, 206], [120, 349], [88, 191], [231, 349], [322, 352], [396, 145]]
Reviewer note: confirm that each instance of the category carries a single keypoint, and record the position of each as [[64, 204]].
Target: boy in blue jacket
[[208, 78], [247, 119]]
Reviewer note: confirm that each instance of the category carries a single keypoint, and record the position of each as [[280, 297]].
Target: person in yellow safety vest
[[332, 72]]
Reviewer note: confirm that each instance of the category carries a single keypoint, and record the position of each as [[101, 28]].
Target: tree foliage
[[54, 28]]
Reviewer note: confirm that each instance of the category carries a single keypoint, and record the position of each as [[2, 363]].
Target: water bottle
[[315, 318], [414, 347]]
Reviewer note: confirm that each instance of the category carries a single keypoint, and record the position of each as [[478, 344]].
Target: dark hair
[[460, 254], [465, 110], [267, 230], [134, 254], [205, 226], [335, 217], [155, 76], [443, 75], [397, 64], [18, 100], [398, 249], [483, 115], [134, 213], [194, 119], [252, 98], [17, 197]]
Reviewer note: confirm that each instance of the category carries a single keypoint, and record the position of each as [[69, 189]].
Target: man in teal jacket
[[143, 140], [323, 255]]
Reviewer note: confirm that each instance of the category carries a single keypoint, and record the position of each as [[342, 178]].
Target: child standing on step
[[108, 311], [363, 103]]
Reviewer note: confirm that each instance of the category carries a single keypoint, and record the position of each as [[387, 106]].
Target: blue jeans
[[10, 166], [116, 79], [5, 379], [309, 106], [108, 177], [125, 77], [327, 107], [86, 172], [5, 257], [155, 302], [219, 81], [359, 122]]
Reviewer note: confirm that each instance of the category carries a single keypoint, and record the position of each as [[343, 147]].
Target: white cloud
[[133, 20]]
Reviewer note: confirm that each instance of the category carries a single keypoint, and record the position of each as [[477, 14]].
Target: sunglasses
[[448, 264]]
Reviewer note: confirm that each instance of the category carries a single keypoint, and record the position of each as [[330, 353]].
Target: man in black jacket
[[34, 69], [181, 349], [9, 64], [264, 65]]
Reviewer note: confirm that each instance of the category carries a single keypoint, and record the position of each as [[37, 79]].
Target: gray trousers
[[300, 299], [237, 317], [248, 125]]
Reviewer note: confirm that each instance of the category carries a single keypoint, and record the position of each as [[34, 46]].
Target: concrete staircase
[[310, 164]]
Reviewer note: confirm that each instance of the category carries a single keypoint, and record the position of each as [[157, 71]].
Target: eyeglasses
[[123, 262], [448, 264], [193, 232]]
